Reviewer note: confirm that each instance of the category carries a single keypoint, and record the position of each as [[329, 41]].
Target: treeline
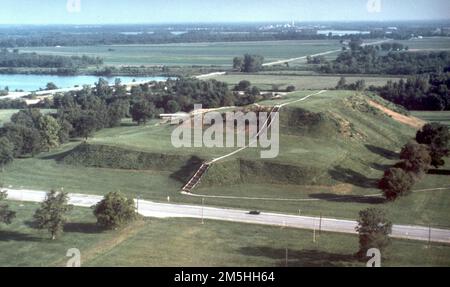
[[428, 149], [14, 59], [159, 37], [424, 92], [371, 60]]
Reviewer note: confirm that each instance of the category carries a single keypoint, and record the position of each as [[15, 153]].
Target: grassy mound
[[105, 156]]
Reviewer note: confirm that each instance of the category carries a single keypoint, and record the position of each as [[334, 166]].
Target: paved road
[[163, 210]]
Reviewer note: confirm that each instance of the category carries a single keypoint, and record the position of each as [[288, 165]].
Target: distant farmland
[[220, 54], [300, 82]]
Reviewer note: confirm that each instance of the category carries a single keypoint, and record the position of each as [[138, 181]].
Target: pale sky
[[184, 11]]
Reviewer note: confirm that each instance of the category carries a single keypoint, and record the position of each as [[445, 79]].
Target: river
[[30, 83]]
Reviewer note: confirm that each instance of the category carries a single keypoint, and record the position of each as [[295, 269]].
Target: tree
[[373, 229], [395, 182], [6, 215], [51, 86], [142, 111], [342, 83], [253, 63], [6, 152], [85, 126], [114, 210], [290, 88], [52, 213], [238, 63], [416, 158], [437, 137], [173, 106], [243, 85], [49, 128]]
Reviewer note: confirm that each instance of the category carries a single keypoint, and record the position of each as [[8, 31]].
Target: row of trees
[[371, 60], [15, 59], [425, 92], [112, 212], [359, 85], [428, 149]]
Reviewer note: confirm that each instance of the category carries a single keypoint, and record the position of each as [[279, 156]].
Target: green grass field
[[221, 54], [186, 242], [428, 43], [266, 82], [5, 115], [434, 116]]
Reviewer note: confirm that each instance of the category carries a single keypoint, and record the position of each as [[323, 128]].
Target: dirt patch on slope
[[408, 120]]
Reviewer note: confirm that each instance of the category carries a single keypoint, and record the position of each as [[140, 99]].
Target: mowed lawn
[[300, 82], [186, 242], [5, 115], [220, 54]]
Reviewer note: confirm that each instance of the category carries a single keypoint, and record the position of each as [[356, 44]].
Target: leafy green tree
[[85, 126], [396, 182], [142, 111], [6, 215], [437, 137], [49, 128], [52, 215], [373, 229], [6, 152], [115, 210], [51, 86], [290, 88], [238, 63], [342, 83], [416, 158], [243, 85], [253, 63], [173, 106]]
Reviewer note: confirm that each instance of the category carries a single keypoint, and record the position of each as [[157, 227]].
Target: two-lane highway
[[164, 210]]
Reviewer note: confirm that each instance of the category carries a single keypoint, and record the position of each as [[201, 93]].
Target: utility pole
[[137, 203], [287, 257], [314, 230], [320, 224], [429, 235]]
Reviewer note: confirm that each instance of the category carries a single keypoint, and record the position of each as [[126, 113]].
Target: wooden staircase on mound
[[195, 179]]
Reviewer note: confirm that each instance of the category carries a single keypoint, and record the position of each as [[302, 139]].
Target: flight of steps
[[195, 179]]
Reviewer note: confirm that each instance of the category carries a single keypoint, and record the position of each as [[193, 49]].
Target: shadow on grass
[[128, 124], [350, 176], [380, 167], [439, 171], [82, 227], [16, 236], [79, 227], [348, 198], [301, 258], [187, 170], [382, 152]]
